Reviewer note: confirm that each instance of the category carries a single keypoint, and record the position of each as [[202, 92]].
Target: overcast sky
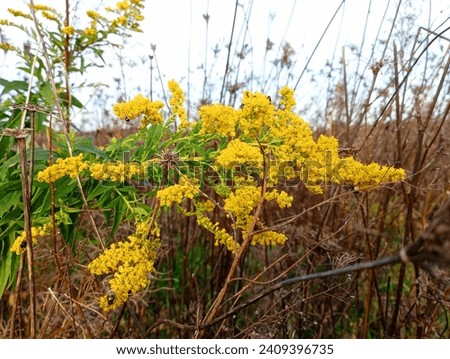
[[184, 43]]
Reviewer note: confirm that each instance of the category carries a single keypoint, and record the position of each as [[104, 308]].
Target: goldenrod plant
[[218, 192]]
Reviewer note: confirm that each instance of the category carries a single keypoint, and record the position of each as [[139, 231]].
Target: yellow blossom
[[281, 197], [90, 31], [120, 21], [241, 203], [20, 243], [177, 192], [49, 15], [40, 7], [7, 47], [140, 106], [70, 166], [68, 30], [218, 119], [238, 153], [130, 262], [256, 113], [116, 171], [177, 102], [221, 236], [123, 5], [93, 14], [18, 13], [287, 101], [268, 238]]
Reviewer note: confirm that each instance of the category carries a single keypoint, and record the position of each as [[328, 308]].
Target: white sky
[[178, 29]]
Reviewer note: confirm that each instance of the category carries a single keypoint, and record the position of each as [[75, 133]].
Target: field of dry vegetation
[[392, 109]]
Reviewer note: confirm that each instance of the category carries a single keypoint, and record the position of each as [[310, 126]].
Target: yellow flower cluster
[[287, 101], [177, 192], [68, 30], [257, 113], [241, 203], [94, 15], [218, 119], [20, 243], [128, 14], [131, 262], [238, 153], [18, 13], [221, 236], [116, 171], [268, 238], [281, 197], [177, 103], [40, 7], [140, 106], [7, 47], [70, 166], [367, 177]]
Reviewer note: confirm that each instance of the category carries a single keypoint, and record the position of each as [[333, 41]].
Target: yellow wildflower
[[177, 192], [7, 47], [177, 103], [40, 7], [257, 113], [140, 106], [241, 203], [20, 243], [120, 21], [218, 119], [70, 166], [238, 153], [281, 197], [116, 171], [287, 101], [90, 31], [68, 30], [268, 238], [18, 13], [123, 5], [366, 176], [131, 262], [49, 15], [93, 14], [221, 236]]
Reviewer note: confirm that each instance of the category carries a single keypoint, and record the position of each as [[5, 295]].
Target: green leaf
[[97, 191], [15, 85], [9, 199], [5, 271], [46, 92], [75, 102]]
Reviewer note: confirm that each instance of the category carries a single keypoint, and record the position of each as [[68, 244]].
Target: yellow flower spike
[[218, 119], [70, 166], [93, 14], [7, 47], [177, 192], [140, 106], [130, 262], [281, 197], [49, 16], [256, 113], [123, 5], [20, 243], [68, 30], [287, 101], [221, 236], [241, 202], [238, 153], [18, 13], [268, 238], [177, 102]]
